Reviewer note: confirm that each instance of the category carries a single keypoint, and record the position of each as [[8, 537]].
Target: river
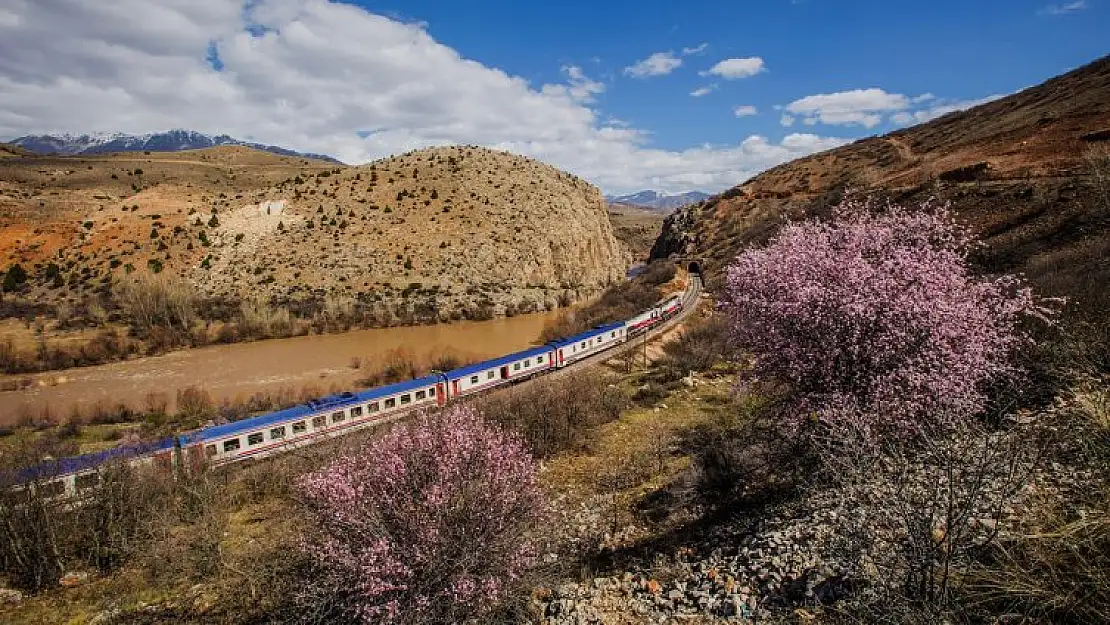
[[241, 369]]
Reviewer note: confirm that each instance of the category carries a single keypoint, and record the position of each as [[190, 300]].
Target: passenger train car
[[336, 415]]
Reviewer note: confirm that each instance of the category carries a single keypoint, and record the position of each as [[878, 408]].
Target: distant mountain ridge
[[658, 200], [169, 141]]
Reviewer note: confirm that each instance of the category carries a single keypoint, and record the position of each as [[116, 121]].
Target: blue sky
[[603, 89], [959, 50]]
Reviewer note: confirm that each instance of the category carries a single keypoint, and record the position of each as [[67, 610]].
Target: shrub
[[425, 524], [157, 302], [874, 321], [15, 277], [553, 415]]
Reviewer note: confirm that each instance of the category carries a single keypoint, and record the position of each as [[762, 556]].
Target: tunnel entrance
[[694, 267]]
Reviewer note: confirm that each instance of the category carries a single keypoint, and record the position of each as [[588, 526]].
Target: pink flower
[[874, 320], [428, 519]]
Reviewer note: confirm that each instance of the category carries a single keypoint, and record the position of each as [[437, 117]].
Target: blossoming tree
[[873, 319], [426, 523]]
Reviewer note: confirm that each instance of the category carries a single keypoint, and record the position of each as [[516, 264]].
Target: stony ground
[[649, 550]]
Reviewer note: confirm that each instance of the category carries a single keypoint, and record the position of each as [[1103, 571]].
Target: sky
[[652, 94]]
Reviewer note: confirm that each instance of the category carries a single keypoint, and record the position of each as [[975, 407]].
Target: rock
[[566, 591], [74, 578], [107, 616], [8, 595]]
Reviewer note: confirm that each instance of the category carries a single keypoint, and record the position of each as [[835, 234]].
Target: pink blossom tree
[[426, 523], [873, 320]]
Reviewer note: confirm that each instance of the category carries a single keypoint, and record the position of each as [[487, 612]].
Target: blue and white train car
[[69, 477], [334, 415], [490, 373], [588, 343]]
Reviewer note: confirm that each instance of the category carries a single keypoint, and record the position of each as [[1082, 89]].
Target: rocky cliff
[[458, 227]]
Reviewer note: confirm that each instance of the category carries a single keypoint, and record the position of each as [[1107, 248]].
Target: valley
[[554, 314]]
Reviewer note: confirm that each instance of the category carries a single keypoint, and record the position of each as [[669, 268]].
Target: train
[[340, 414]]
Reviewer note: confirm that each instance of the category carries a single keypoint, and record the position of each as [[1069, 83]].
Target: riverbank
[[233, 372]]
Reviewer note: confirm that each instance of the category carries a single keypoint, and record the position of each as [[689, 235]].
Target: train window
[[87, 481], [613, 334], [421, 395], [516, 366], [52, 489], [473, 379], [231, 445], [356, 411], [583, 344], [432, 392], [490, 374], [390, 403], [528, 363], [300, 427], [373, 406], [254, 439], [406, 399], [277, 433], [319, 422], [336, 417], [210, 450]]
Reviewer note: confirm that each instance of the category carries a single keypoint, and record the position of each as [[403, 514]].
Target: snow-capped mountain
[[657, 200], [170, 141]]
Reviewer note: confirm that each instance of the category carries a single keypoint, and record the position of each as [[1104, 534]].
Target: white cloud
[[786, 120], [736, 68], [861, 107], [942, 107], [695, 50], [1064, 9], [745, 111], [581, 88], [326, 77], [658, 64], [700, 91], [902, 119]]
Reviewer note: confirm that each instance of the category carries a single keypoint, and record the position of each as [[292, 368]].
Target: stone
[[74, 578], [8, 595]]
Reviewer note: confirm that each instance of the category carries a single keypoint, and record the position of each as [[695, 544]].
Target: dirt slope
[[1029, 172]]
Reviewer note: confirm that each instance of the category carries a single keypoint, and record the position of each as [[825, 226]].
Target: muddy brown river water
[[241, 369]]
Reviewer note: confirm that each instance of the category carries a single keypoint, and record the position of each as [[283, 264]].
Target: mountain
[[429, 235], [1029, 173], [657, 200], [170, 141]]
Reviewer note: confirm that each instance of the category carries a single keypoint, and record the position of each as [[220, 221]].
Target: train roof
[[76, 464], [323, 404], [588, 334], [462, 372]]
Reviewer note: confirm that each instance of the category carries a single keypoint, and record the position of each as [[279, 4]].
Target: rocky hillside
[[1030, 173], [8, 150], [637, 228], [449, 230]]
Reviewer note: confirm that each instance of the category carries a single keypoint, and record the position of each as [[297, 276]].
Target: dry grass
[[1058, 567]]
